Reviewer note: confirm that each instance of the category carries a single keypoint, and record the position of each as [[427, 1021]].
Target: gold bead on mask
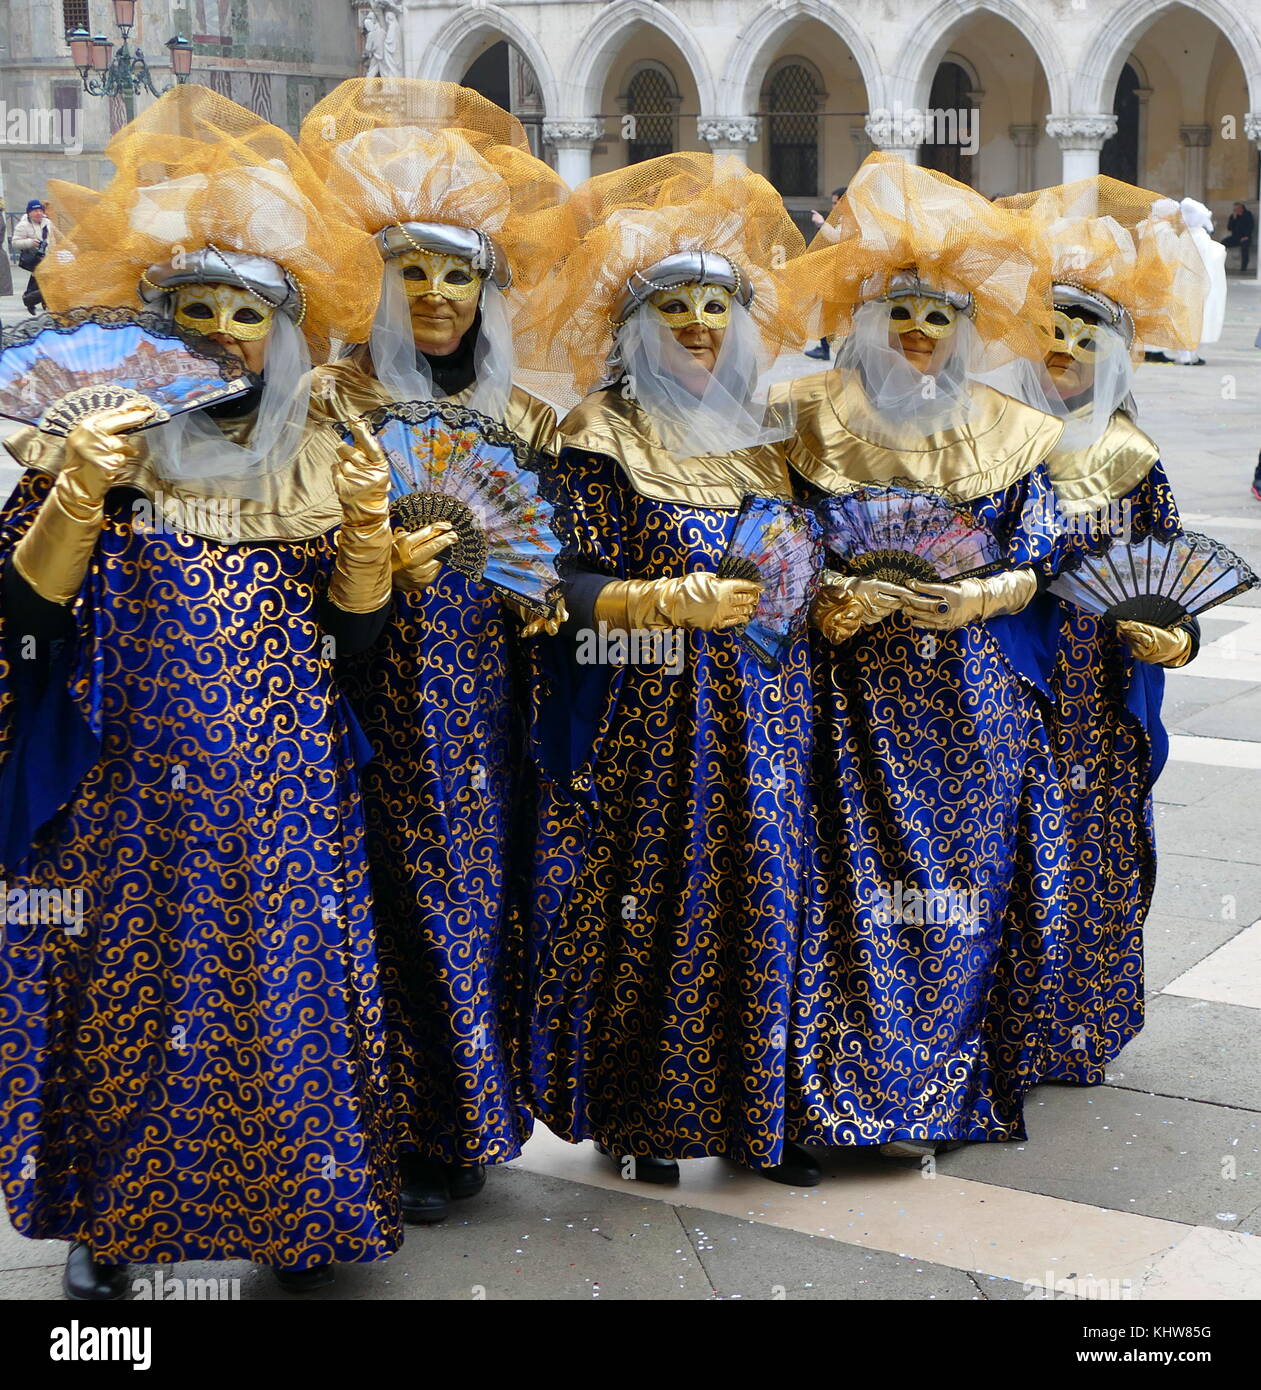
[[430, 272], [935, 318], [699, 302], [223, 309]]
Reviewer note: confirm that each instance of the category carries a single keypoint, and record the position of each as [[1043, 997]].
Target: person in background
[[1239, 228], [32, 237], [828, 233]]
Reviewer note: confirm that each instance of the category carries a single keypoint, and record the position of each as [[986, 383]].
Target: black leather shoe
[[637, 1168], [303, 1280], [87, 1281], [795, 1168], [423, 1190], [465, 1180], [821, 354]]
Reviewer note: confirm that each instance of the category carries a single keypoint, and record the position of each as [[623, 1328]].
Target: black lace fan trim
[[456, 416], [230, 368]]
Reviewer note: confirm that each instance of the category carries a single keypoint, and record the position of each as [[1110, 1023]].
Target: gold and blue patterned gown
[[1111, 747], [672, 828], [931, 950], [439, 697], [197, 1069]]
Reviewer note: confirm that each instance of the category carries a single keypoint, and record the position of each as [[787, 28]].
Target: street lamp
[[109, 74]]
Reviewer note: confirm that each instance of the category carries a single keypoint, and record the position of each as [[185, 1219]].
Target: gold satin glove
[[414, 558], [873, 599], [946, 606], [699, 602], [55, 553], [835, 611], [360, 582], [1158, 646], [535, 623]]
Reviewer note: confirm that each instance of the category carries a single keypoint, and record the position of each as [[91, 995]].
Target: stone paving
[[1144, 1188]]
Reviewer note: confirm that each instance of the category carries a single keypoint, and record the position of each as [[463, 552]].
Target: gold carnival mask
[[1078, 338], [919, 312], [430, 272], [708, 305], [223, 309]]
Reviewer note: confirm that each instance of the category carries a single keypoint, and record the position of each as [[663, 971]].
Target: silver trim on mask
[[447, 239], [212, 266], [1116, 316], [907, 282], [682, 268]]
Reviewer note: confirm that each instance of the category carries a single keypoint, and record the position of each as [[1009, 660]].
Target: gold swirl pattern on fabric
[[201, 1072], [1086, 479], [1003, 441], [607, 423]]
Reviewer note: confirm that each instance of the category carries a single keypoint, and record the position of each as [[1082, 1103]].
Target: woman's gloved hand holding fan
[[777, 544], [59, 368], [451, 465], [888, 538], [1150, 587]]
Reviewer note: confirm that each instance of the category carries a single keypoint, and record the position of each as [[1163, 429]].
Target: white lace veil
[[401, 368], [695, 412], [903, 404], [193, 448]]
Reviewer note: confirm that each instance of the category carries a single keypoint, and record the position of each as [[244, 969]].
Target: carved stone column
[[729, 134], [896, 132], [573, 142], [1195, 139], [1024, 137], [1080, 138]]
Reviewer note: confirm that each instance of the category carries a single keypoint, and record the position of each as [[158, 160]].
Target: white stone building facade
[[1006, 94]]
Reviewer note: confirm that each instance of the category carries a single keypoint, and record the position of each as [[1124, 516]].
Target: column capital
[[728, 130], [1082, 130], [1022, 136], [1195, 135], [580, 133], [1252, 126], [897, 132]]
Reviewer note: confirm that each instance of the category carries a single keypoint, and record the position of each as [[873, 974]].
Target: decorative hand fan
[[903, 533], [56, 368], [777, 544], [449, 463], [1154, 580]]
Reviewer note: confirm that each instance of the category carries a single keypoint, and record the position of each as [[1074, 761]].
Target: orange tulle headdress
[[692, 206], [1125, 253], [399, 152], [205, 188], [903, 229]]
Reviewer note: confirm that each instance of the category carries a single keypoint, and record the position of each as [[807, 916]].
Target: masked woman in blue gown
[[673, 823], [1126, 278], [197, 1069], [924, 972], [464, 219]]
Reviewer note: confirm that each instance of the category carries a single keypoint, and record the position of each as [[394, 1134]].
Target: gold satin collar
[[1003, 441], [348, 387], [606, 423], [1087, 479], [298, 503]]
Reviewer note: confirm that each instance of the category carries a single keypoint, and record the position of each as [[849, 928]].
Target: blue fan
[[777, 544], [57, 368], [1154, 580], [452, 464], [902, 533]]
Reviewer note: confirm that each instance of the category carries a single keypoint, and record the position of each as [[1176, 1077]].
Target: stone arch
[[598, 48], [448, 54], [753, 53], [1111, 46]]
